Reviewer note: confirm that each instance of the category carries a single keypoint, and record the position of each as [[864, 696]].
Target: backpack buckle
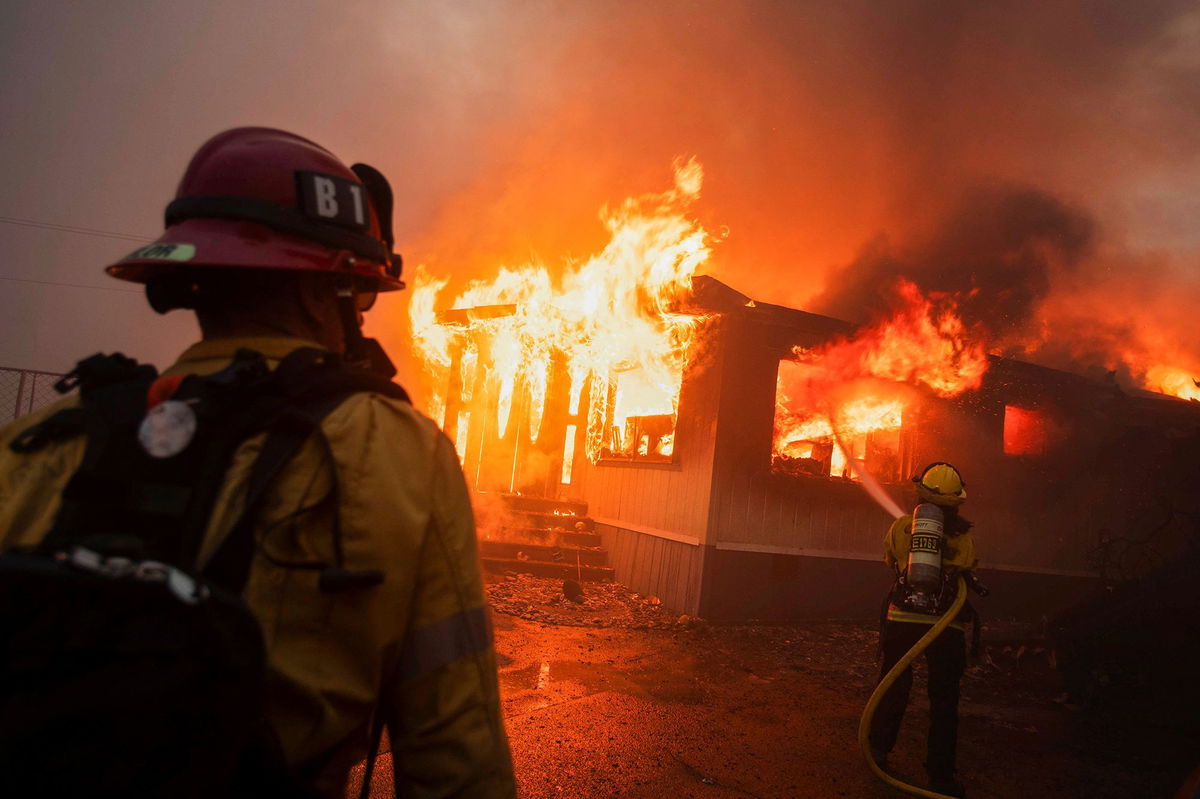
[[185, 587]]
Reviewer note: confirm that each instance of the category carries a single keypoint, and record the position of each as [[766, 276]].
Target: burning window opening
[[823, 432], [849, 401], [640, 422], [1026, 432]]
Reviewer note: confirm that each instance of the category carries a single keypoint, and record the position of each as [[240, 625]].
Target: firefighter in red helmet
[[924, 590], [257, 201], [279, 248]]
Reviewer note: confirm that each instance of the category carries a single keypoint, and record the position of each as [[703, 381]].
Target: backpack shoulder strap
[[112, 401], [156, 506], [318, 383], [230, 565], [105, 381]]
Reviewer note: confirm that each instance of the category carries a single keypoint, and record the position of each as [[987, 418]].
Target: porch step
[[563, 507], [587, 556], [552, 521], [548, 538]]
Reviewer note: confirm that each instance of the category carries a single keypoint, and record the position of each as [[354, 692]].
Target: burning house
[[738, 459]]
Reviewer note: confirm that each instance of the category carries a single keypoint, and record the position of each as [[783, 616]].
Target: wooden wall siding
[[752, 507], [672, 497], [654, 566], [785, 588], [780, 513]]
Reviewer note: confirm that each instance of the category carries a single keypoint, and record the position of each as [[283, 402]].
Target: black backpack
[[124, 671]]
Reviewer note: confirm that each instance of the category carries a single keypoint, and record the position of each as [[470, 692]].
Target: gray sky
[[505, 125], [104, 102]]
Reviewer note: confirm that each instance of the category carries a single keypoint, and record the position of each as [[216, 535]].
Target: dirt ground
[[617, 697]]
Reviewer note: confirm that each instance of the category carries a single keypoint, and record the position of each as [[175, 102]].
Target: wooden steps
[[547, 538]]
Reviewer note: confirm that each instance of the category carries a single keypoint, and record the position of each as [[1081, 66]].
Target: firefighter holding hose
[[929, 550]]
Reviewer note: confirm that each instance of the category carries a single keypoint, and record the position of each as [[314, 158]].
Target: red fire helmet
[[259, 198]]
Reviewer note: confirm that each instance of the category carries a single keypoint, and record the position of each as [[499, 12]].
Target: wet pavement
[[773, 712], [633, 703]]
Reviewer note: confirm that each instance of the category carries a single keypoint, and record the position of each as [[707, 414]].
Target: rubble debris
[[600, 604], [573, 591]]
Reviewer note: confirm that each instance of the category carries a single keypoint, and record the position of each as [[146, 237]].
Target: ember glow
[[846, 401], [607, 333]]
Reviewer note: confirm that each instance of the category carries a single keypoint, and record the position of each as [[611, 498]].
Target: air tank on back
[[923, 573]]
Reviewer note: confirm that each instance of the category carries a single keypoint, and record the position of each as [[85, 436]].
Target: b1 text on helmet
[[330, 198]]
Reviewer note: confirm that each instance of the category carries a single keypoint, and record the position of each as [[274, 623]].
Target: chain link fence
[[25, 390]]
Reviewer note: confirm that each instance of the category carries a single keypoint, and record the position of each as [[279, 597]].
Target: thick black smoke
[[1001, 249]]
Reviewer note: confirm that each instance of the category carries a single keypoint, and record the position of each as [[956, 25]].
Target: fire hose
[[864, 724]]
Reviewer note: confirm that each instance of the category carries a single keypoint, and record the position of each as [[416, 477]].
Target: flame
[[837, 395], [611, 319], [1173, 380], [924, 341]]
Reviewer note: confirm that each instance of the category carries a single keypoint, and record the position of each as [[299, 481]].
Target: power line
[[83, 231], [71, 285]]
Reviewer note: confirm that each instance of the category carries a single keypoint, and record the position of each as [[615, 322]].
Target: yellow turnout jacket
[[423, 635]]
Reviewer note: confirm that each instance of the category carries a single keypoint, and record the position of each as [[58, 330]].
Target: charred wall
[[754, 508], [721, 534], [782, 545]]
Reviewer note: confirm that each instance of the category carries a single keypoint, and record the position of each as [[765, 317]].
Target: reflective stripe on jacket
[[423, 634]]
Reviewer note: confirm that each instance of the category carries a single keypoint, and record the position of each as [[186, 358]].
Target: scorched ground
[[620, 698]]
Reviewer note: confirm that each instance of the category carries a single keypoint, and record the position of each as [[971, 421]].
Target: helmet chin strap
[[361, 352]]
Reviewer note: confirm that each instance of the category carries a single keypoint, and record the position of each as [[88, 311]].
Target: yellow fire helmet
[[941, 484]]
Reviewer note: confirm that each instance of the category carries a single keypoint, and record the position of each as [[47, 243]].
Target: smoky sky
[[998, 249], [840, 140]]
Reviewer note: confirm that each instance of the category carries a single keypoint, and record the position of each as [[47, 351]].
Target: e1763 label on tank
[[925, 543]]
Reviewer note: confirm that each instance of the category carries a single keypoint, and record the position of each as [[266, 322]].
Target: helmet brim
[[221, 243]]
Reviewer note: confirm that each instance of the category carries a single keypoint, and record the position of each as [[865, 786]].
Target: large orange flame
[[1173, 380], [835, 395], [612, 317]]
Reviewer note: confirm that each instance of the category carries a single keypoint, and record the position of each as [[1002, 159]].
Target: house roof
[[711, 295]]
